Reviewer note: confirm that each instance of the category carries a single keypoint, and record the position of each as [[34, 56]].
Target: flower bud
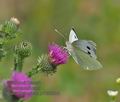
[[10, 28], [15, 20], [118, 80], [112, 93], [23, 49]]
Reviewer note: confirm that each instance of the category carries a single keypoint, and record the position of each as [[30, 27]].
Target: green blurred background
[[98, 20]]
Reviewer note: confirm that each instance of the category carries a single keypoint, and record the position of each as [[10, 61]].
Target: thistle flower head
[[57, 54], [47, 63], [6, 93], [20, 85]]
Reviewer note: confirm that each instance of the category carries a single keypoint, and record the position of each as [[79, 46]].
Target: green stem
[[20, 100], [18, 63], [113, 99]]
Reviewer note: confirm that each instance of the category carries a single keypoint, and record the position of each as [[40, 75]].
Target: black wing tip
[[73, 28]]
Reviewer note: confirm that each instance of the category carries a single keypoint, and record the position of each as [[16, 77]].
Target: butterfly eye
[[88, 47]]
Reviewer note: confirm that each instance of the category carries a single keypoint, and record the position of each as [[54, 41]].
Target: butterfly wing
[[72, 37], [87, 46], [83, 52], [70, 50], [86, 60]]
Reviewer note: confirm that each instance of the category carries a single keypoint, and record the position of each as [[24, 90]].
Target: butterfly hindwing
[[85, 61]]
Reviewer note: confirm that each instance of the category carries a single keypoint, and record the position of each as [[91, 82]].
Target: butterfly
[[83, 52]]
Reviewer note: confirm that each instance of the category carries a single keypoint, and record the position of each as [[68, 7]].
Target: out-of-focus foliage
[[98, 20]]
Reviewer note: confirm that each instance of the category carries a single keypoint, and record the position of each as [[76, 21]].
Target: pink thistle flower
[[20, 85], [57, 54], [48, 63]]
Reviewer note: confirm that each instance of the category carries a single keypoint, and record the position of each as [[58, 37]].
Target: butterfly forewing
[[72, 37], [70, 49]]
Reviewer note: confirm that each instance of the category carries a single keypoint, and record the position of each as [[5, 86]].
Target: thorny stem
[[34, 71]]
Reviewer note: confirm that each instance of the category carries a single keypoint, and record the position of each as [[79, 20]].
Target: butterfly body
[[83, 52]]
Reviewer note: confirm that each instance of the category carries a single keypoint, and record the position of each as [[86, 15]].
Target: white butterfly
[[83, 52]]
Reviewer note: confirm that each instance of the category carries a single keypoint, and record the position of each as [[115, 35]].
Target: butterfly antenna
[[60, 33]]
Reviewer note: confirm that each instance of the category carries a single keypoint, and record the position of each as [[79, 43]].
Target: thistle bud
[[10, 28], [23, 49], [15, 20]]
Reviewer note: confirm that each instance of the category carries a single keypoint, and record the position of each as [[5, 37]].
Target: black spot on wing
[[75, 36], [89, 53], [88, 48]]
